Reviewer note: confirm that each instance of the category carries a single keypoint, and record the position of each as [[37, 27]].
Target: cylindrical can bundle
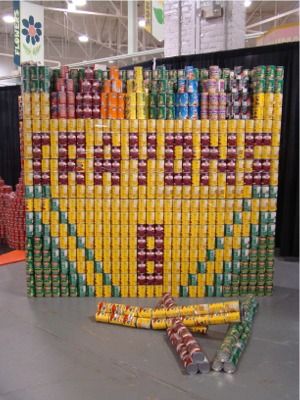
[[187, 348], [236, 338]]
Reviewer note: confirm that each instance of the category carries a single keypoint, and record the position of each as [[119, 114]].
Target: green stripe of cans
[[193, 280], [64, 279], [236, 254], [235, 279], [219, 279], [29, 218], [161, 99], [264, 217], [89, 254], [273, 192], [244, 267], [246, 205], [54, 242], [81, 279], [245, 242], [38, 217], [46, 230], [38, 191], [218, 290], [219, 242], [65, 292], [39, 292], [73, 279], [244, 254], [265, 192], [116, 291], [243, 290], [98, 267], [260, 290], [252, 280], [271, 217], [63, 254], [236, 267], [227, 266], [153, 100], [55, 204], [235, 290], [254, 229], [72, 229], [63, 217], [106, 279], [29, 230], [254, 242], [55, 254], [72, 267], [243, 279], [90, 291], [153, 112], [184, 291], [256, 191], [82, 291], [73, 291], [226, 291], [271, 229], [228, 230], [210, 255], [268, 290], [252, 290], [162, 85], [237, 217], [81, 242], [210, 291], [170, 100], [227, 279], [162, 112], [55, 280], [38, 230], [263, 229], [278, 87], [170, 113], [64, 267]]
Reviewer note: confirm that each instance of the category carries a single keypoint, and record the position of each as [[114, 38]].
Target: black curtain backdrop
[[9, 135], [287, 54]]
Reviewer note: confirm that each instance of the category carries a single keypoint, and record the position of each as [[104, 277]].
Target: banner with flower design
[[29, 32]]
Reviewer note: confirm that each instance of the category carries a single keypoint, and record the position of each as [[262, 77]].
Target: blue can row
[[187, 99]]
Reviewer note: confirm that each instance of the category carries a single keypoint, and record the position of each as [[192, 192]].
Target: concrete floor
[[51, 349]]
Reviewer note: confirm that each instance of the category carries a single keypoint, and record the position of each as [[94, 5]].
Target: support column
[[132, 27], [194, 27]]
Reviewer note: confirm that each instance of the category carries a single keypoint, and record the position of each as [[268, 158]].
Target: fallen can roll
[[235, 341], [191, 354], [168, 302]]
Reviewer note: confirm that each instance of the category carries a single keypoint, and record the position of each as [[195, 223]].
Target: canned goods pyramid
[[140, 206], [181, 321]]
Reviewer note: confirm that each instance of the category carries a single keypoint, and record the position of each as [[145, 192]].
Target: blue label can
[[182, 112], [192, 86], [193, 112], [182, 99], [193, 99]]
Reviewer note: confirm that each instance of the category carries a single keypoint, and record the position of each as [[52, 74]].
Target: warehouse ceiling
[[107, 28]]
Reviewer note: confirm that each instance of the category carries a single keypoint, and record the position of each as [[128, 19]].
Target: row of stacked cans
[[191, 93], [135, 208]]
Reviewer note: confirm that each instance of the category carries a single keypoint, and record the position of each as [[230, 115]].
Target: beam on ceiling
[[265, 21], [82, 12]]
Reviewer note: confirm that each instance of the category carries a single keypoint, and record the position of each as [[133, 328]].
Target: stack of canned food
[[235, 341], [189, 93], [12, 222], [138, 207]]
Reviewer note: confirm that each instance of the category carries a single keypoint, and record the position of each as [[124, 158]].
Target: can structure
[[137, 207]]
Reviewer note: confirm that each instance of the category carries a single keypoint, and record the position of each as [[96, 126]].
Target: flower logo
[[31, 30]]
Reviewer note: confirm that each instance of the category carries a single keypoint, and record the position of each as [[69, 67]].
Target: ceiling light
[[110, 61], [247, 3], [71, 7], [9, 19], [83, 38], [79, 3], [142, 23]]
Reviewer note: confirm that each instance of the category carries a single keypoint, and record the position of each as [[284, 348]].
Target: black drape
[[9, 135], [287, 54]]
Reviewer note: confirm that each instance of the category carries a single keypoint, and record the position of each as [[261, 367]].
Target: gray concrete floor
[[51, 349]]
